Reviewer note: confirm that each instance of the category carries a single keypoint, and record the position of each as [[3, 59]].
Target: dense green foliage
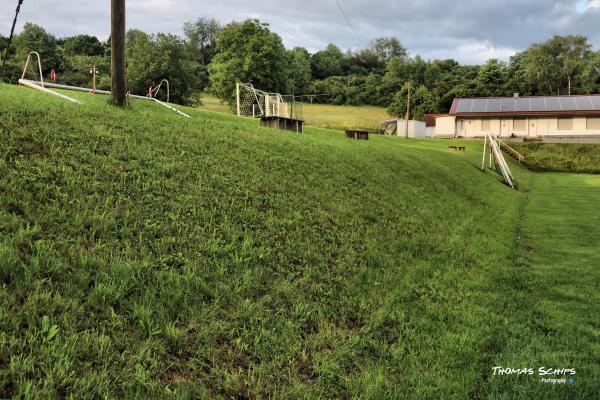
[[563, 157], [162, 56], [84, 45], [248, 52], [144, 255], [35, 38], [421, 102], [213, 57]]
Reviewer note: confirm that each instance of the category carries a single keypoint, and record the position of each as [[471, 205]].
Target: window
[[593, 123], [520, 124], [565, 124], [485, 124]]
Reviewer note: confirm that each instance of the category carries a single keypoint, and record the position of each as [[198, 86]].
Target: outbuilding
[[397, 127], [548, 117]]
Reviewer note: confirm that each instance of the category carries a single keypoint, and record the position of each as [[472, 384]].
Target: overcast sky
[[470, 31]]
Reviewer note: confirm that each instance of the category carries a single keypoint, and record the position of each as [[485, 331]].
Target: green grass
[[214, 104], [344, 117], [323, 115], [144, 255], [561, 157]]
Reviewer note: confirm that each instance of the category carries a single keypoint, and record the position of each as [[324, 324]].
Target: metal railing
[[508, 148]]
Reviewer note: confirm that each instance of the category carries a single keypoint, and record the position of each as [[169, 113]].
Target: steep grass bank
[[146, 255]]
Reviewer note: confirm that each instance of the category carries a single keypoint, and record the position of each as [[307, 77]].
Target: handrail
[[39, 65], [500, 162], [157, 88], [515, 152]]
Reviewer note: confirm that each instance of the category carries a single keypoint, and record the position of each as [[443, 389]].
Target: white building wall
[[445, 126], [505, 127], [416, 129]]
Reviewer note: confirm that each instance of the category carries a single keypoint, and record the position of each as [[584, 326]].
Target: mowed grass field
[[324, 115], [145, 255]]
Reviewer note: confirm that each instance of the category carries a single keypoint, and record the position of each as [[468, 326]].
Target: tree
[[517, 80], [35, 38], [422, 102], [591, 74], [328, 62], [202, 36], [554, 65], [491, 79], [396, 74], [83, 45], [3, 44], [387, 48], [132, 36], [574, 50], [248, 52], [157, 57], [300, 72]]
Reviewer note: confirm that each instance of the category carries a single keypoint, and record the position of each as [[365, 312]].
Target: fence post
[[237, 98], [267, 106]]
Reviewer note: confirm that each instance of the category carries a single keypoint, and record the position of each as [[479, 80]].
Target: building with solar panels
[[521, 117]]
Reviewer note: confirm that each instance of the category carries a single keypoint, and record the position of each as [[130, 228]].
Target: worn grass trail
[[559, 262]]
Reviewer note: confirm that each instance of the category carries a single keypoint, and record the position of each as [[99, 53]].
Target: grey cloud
[[468, 30]]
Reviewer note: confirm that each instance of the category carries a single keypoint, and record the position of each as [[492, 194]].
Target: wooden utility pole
[[407, 111], [237, 100], [117, 40]]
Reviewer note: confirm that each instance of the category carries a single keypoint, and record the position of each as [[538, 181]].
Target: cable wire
[[12, 31], [348, 22]]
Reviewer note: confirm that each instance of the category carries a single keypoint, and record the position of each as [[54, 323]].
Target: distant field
[[324, 116], [344, 117], [214, 104], [561, 157]]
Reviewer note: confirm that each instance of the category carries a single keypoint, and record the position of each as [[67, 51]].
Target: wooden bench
[[456, 148], [357, 135]]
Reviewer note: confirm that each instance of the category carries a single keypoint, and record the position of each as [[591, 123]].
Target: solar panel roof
[[528, 104]]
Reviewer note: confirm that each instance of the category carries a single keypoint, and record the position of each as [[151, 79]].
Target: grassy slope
[[325, 116], [142, 254], [561, 157]]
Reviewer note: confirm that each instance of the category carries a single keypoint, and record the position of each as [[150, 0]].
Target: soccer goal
[[252, 102]]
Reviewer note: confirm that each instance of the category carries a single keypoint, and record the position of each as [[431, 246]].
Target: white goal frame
[[252, 102]]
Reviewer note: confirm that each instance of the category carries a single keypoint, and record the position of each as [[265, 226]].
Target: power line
[[12, 31], [348, 22]]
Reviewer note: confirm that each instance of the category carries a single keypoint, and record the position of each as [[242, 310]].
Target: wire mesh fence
[[252, 102]]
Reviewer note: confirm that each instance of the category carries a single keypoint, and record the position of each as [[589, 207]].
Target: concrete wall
[[505, 127]]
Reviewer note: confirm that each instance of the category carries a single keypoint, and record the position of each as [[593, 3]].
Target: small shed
[[397, 127], [357, 134]]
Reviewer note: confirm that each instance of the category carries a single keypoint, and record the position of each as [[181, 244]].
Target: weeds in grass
[[143, 255]]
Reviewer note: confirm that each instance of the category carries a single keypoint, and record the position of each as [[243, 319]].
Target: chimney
[[516, 95]]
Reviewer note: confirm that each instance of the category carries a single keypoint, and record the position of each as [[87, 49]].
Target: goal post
[[252, 102]]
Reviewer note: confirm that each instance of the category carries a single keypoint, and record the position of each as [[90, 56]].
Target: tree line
[[211, 57]]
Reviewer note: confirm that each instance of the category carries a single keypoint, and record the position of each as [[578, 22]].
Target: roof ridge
[[527, 97]]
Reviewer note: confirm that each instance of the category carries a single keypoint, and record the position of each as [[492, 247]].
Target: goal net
[[252, 102]]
